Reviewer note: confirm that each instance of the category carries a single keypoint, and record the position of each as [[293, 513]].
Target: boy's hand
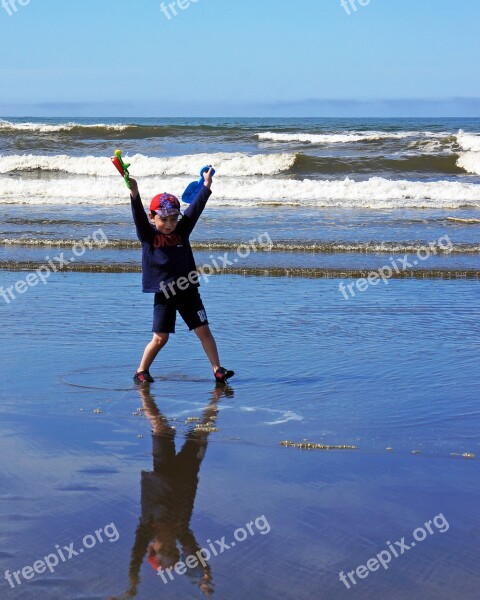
[[133, 188], [207, 177]]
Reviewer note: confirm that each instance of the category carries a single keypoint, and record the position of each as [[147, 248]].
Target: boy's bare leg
[[209, 345], [152, 349]]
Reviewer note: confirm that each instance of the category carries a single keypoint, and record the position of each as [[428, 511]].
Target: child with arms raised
[[169, 272]]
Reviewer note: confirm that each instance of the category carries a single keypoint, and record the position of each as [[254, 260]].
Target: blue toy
[[194, 187]]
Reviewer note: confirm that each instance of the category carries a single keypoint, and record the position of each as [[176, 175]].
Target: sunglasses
[[170, 219]]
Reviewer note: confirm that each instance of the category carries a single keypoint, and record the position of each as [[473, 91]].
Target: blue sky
[[240, 58]]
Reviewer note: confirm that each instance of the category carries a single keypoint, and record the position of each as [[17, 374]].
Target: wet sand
[[394, 367]]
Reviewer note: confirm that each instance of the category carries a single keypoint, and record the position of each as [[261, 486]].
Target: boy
[[168, 271]]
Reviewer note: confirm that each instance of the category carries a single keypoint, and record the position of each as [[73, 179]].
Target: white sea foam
[[436, 147], [49, 128], [376, 193], [469, 160], [283, 415], [227, 164], [469, 141], [341, 138]]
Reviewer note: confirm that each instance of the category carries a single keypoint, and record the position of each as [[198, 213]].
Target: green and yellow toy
[[121, 167]]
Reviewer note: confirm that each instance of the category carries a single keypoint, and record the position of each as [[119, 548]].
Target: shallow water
[[394, 367]]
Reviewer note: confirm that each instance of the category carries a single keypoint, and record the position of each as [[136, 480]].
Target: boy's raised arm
[[142, 225], [195, 209]]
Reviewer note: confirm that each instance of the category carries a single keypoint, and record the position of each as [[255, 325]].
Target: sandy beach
[[315, 168], [382, 375], [341, 461]]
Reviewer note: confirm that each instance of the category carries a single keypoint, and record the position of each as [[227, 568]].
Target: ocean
[[331, 193], [340, 267]]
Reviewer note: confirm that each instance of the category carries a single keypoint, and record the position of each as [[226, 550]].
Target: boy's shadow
[[168, 495]]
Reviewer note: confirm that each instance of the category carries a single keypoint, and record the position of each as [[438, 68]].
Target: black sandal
[[222, 374], [143, 377]]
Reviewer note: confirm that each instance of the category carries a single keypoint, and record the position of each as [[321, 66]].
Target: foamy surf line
[[467, 145], [251, 192], [380, 247], [236, 164], [227, 164], [311, 273], [27, 126], [345, 138]]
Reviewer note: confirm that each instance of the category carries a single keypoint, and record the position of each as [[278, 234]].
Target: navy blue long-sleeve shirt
[[166, 258]]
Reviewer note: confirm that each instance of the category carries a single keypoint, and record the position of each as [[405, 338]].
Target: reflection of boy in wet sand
[[168, 495]]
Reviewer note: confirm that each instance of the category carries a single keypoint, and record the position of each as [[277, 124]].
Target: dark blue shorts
[[188, 303]]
